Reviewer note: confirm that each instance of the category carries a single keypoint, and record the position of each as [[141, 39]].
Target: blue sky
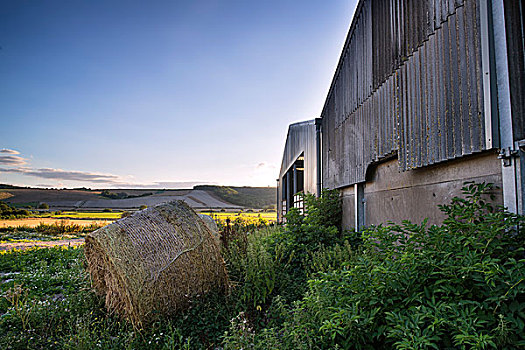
[[114, 93]]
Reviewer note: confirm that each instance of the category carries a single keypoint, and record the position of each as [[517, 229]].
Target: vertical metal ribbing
[[434, 106], [466, 144], [411, 116], [402, 86], [407, 82], [446, 87], [455, 81], [424, 106], [436, 14], [420, 71]]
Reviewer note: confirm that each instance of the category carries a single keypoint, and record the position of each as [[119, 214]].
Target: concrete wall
[[391, 195]]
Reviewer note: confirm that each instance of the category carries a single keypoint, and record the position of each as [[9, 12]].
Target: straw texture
[[155, 261]]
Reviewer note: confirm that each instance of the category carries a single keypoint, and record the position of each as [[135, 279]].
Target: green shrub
[[460, 285], [9, 212], [318, 227], [270, 265]]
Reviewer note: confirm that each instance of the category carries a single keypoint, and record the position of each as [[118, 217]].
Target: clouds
[[12, 163], [265, 165], [10, 157], [14, 168], [64, 175], [9, 151], [12, 160]]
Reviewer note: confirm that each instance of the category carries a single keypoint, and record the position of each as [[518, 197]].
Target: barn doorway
[[293, 187]]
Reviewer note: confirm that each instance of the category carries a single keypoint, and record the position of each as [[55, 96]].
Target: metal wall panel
[[408, 82], [301, 140]]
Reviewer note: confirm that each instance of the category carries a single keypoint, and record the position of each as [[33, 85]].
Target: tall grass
[[62, 227]]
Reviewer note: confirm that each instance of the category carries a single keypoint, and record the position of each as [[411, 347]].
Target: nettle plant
[[460, 285]]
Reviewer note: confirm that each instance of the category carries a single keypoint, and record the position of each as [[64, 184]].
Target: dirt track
[[42, 244]]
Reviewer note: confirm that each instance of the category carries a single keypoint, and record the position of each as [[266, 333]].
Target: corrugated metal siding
[[443, 109], [301, 139], [408, 81]]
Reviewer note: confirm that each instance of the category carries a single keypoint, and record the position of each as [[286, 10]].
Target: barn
[[427, 95]]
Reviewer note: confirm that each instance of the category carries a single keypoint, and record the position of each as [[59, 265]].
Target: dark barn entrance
[[293, 186]]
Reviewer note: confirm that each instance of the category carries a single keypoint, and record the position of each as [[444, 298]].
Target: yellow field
[[222, 216], [89, 215], [247, 217], [32, 222]]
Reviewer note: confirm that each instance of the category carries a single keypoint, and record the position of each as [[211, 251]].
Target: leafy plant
[[18, 298], [459, 285]]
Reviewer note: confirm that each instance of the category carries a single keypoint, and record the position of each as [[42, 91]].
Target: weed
[[18, 298]]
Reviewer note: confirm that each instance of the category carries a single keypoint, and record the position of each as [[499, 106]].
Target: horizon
[[127, 188], [166, 94]]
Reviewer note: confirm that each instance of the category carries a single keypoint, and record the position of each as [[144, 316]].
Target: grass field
[[46, 302]]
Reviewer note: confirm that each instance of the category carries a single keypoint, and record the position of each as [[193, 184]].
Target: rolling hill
[[200, 197]]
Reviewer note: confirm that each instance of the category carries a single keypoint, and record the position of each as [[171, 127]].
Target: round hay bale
[[212, 225], [154, 261]]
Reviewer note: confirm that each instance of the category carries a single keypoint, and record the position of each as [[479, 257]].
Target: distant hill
[[249, 197], [201, 197], [10, 187]]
